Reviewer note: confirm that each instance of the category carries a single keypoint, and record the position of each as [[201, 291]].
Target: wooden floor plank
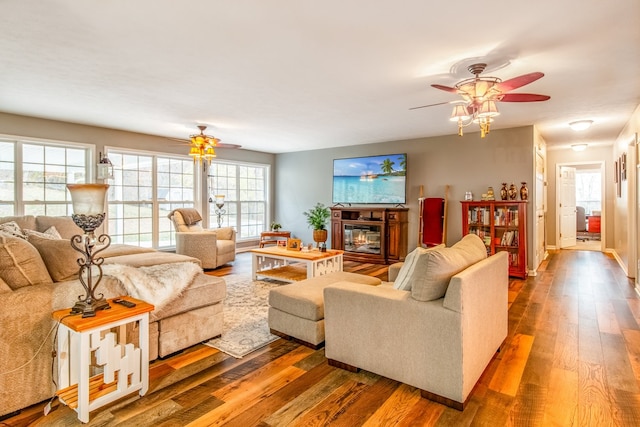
[[507, 377], [395, 408], [561, 402]]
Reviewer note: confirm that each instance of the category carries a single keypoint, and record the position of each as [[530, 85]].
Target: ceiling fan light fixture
[[480, 94], [581, 125], [579, 147], [203, 148]]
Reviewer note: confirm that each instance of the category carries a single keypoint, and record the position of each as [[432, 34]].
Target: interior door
[[567, 207], [539, 243]]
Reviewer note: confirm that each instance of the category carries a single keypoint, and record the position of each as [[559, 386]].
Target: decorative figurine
[[490, 195], [513, 192], [503, 191], [524, 191]]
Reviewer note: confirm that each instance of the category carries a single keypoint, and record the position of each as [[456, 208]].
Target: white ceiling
[[294, 75]]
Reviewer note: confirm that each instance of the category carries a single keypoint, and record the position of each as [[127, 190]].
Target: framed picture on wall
[[619, 177], [623, 166], [615, 172]]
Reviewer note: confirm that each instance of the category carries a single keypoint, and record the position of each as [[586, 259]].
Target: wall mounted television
[[370, 180]]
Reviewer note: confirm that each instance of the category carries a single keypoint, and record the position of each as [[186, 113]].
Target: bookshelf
[[502, 227]]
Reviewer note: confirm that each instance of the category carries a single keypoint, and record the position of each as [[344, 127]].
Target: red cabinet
[[594, 224]]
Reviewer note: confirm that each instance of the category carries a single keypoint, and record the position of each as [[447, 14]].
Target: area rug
[[245, 316]]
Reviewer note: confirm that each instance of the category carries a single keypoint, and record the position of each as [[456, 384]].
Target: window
[[33, 176], [589, 190], [245, 189], [144, 190]]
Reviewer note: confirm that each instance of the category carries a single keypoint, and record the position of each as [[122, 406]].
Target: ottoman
[[296, 311]]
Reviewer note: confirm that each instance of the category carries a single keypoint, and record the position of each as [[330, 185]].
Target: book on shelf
[[509, 238]]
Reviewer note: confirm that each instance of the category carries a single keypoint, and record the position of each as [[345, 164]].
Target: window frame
[[211, 216], [18, 171], [155, 202]]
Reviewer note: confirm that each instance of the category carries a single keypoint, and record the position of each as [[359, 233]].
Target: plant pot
[[320, 236]]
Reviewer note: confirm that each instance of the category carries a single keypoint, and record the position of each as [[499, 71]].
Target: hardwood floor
[[572, 358]]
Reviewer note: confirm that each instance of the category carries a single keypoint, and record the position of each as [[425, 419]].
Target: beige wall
[[466, 163], [625, 208]]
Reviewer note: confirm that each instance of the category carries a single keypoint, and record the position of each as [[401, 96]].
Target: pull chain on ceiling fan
[[480, 94]]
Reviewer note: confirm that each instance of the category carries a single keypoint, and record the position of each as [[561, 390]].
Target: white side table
[[100, 343]]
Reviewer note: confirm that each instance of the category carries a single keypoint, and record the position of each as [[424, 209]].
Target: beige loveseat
[[33, 285], [439, 335], [213, 247]]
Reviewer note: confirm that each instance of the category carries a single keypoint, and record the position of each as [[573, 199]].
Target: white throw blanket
[[157, 284]]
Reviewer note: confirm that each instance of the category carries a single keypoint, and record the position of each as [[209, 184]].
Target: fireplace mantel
[[370, 234]]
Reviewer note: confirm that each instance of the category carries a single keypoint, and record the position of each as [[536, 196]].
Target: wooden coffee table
[[292, 266]]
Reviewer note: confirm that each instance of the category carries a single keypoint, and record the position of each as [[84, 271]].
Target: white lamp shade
[[488, 109], [459, 112], [88, 199]]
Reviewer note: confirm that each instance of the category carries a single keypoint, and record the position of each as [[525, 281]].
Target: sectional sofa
[[38, 275]]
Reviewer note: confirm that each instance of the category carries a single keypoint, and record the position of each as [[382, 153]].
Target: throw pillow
[[49, 233], [408, 269], [438, 266], [20, 263], [59, 257], [13, 229]]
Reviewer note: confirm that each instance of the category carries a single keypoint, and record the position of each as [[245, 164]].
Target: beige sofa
[[438, 336], [32, 286], [213, 247]]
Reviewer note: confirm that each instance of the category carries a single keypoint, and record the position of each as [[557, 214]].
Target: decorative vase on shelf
[[513, 192], [503, 191], [524, 191]]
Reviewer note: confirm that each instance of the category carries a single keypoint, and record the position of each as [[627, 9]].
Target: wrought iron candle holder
[[88, 207], [219, 200]]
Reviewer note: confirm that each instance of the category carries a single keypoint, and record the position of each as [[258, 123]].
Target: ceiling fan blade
[[433, 105], [519, 81], [446, 88], [227, 145], [523, 97]]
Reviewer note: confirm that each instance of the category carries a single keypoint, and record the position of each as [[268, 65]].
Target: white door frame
[[598, 164]]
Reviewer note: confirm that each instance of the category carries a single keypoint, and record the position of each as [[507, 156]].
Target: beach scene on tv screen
[[374, 179]]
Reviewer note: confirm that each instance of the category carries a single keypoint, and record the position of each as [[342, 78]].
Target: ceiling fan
[[480, 94], [202, 146]]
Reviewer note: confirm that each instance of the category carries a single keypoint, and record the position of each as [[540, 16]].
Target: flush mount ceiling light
[[581, 125], [578, 147], [480, 95]]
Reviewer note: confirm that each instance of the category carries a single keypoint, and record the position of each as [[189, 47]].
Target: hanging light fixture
[[482, 114], [480, 95], [203, 146]]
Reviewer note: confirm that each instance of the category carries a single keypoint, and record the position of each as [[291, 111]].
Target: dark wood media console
[[368, 234]]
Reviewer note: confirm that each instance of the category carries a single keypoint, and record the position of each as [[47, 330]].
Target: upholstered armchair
[[213, 247]]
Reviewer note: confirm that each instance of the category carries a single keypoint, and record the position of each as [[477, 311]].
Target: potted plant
[[317, 218], [275, 226]]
